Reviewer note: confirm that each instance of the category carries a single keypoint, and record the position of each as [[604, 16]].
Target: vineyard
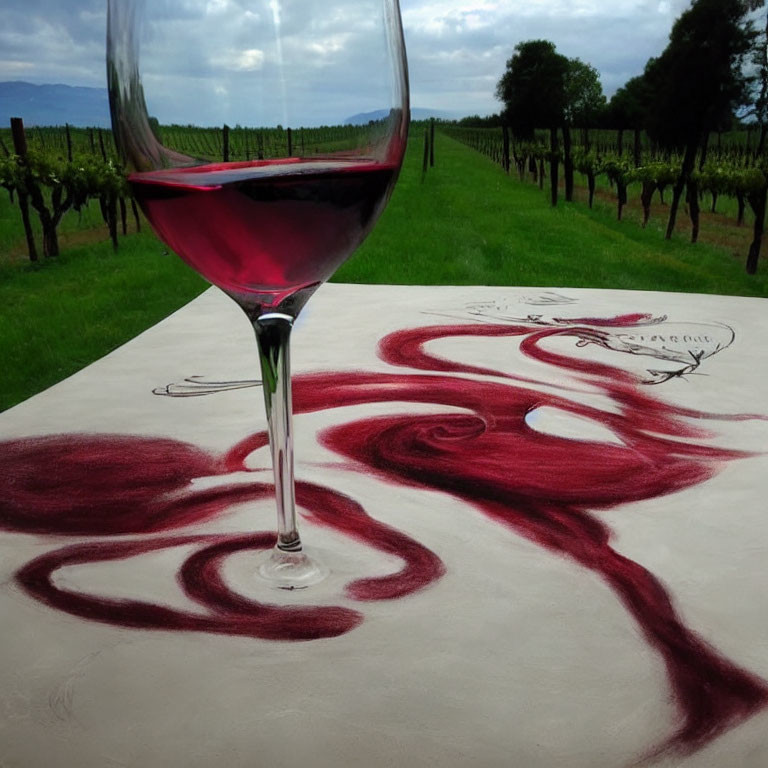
[[727, 166], [463, 223], [48, 171], [51, 170]]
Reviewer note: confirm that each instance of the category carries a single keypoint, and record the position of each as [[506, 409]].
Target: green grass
[[467, 224], [69, 311], [470, 223]]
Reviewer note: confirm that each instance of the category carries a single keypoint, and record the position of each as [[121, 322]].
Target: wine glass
[[317, 92]]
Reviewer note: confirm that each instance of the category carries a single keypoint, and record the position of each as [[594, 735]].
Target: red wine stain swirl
[[226, 612], [543, 487], [48, 485]]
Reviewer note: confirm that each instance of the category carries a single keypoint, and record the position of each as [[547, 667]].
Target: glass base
[[291, 570]]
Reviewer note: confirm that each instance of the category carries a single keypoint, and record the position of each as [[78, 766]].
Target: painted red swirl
[[48, 485], [544, 487]]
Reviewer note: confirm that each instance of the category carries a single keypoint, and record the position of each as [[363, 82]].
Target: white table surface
[[514, 653]]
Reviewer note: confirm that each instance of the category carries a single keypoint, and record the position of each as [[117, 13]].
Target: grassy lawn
[[468, 223], [68, 312]]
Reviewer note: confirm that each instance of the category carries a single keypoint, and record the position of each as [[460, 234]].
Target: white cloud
[[455, 43], [214, 7], [457, 49], [11, 65], [328, 45], [250, 60]]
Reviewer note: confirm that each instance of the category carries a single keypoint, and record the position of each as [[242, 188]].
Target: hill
[[417, 113], [54, 104], [89, 107]]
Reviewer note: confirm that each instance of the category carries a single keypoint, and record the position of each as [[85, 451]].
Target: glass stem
[[273, 333]]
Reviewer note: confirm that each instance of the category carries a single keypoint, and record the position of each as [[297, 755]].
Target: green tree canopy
[[584, 98], [628, 107], [758, 103], [699, 79], [533, 88]]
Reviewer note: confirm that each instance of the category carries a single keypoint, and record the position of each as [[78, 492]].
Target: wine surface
[[268, 227]]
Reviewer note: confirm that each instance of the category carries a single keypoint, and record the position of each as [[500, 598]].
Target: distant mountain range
[[89, 107], [417, 113], [54, 105]]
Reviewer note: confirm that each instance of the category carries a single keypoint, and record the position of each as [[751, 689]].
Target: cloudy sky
[[457, 49]]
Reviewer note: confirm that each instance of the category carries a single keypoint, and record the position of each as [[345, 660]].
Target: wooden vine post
[[69, 142], [554, 150], [108, 201], [20, 148], [757, 201], [225, 144], [646, 198], [694, 209], [432, 142]]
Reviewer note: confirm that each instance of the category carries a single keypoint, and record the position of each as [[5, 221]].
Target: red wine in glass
[[269, 227]]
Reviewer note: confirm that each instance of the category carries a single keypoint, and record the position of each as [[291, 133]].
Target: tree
[[697, 81], [584, 100], [758, 109], [532, 90], [475, 121], [759, 60], [627, 110]]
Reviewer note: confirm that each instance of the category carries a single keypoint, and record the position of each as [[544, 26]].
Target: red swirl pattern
[[544, 487]]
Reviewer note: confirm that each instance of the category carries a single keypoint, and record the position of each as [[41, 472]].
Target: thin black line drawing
[[686, 344], [196, 386]]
